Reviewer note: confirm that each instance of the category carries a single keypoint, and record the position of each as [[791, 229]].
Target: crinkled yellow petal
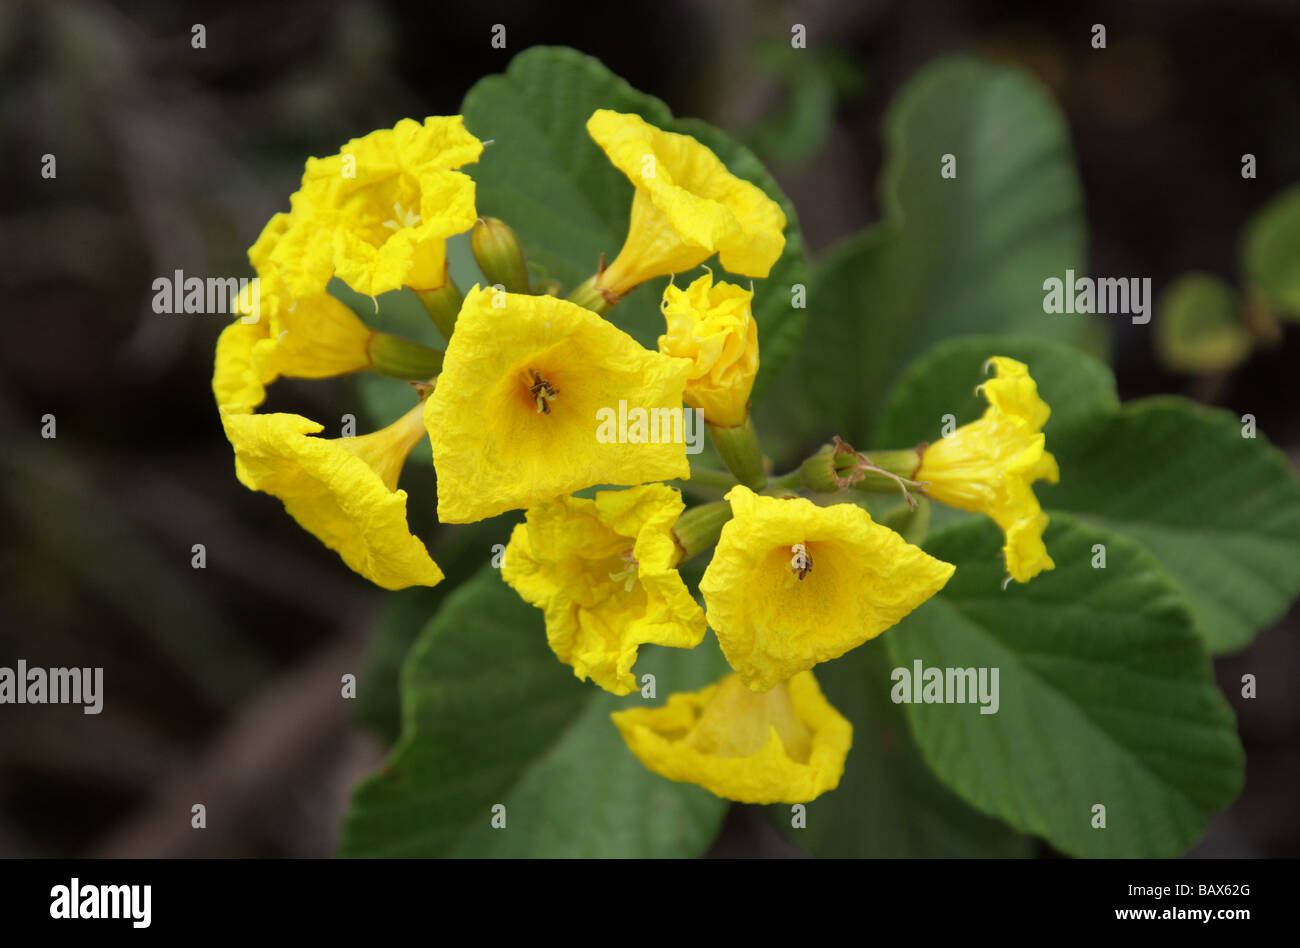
[[604, 573], [713, 327], [687, 206], [495, 450], [336, 490], [237, 381], [391, 199], [293, 255], [989, 465], [1026, 554], [311, 337], [321, 337], [786, 745], [860, 579], [1014, 394]]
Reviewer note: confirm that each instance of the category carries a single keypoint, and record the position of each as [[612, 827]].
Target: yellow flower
[[786, 745], [390, 201], [604, 572], [687, 207], [342, 490], [989, 465], [516, 419], [712, 326], [315, 337], [792, 584]]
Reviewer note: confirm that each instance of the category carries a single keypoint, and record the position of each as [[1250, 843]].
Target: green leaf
[[943, 382], [548, 180], [1106, 695], [810, 83], [888, 804], [951, 256], [492, 717], [378, 704], [1221, 511], [1270, 251], [461, 550], [1197, 326]]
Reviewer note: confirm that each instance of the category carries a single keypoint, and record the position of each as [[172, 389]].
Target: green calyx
[[403, 359], [443, 305], [589, 296], [739, 450], [699, 528], [837, 466]]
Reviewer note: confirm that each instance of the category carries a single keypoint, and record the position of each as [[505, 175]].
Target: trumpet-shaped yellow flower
[[687, 207], [390, 200], [989, 465], [713, 327], [516, 419], [315, 337], [604, 572], [785, 745], [341, 490], [792, 584]]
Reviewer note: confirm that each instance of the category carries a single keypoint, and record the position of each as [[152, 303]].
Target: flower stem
[[443, 304], [402, 358], [739, 450], [699, 528], [708, 477], [589, 296]]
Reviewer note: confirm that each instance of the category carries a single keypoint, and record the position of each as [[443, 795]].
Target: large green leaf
[[544, 176], [461, 551], [491, 716], [952, 255], [1219, 510], [888, 804], [1106, 695]]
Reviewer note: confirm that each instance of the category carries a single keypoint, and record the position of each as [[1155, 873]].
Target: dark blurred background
[[223, 683]]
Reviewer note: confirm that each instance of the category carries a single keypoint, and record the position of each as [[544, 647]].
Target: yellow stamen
[[404, 218], [626, 576]]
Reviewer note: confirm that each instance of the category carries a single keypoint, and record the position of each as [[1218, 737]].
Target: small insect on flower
[[801, 563], [542, 391]]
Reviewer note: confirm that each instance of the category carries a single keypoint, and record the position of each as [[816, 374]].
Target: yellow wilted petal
[[786, 745], [237, 383], [293, 255], [340, 490], [792, 584], [687, 206], [604, 572], [713, 327], [516, 419], [391, 199], [989, 465]]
